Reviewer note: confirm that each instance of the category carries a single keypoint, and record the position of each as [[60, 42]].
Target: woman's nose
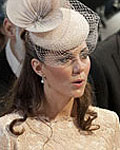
[[78, 67]]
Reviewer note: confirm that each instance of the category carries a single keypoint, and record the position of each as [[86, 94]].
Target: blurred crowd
[[109, 7]]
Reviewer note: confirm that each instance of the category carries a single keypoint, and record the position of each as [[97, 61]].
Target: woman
[[51, 98]]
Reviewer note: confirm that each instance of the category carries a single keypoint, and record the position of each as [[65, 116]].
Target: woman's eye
[[84, 55], [65, 59]]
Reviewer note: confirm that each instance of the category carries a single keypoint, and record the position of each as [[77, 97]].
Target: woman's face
[[69, 77]]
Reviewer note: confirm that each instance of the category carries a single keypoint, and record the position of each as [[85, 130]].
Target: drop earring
[[42, 80]]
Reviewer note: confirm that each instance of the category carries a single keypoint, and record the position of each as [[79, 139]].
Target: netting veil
[[55, 26]]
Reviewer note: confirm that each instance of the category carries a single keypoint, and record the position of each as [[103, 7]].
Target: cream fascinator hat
[[56, 25]]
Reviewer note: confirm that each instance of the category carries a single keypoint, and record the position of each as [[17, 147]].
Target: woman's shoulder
[[103, 111], [105, 116]]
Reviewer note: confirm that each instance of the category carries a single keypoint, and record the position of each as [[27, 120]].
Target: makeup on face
[[61, 79], [66, 58]]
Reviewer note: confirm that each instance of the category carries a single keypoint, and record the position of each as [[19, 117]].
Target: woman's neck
[[57, 105]]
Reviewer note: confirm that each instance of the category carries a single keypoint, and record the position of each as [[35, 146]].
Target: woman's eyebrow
[[66, 53], [84, 49], [71, 53]]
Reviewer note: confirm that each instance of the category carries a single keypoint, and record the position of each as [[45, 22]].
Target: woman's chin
[[78, 94]]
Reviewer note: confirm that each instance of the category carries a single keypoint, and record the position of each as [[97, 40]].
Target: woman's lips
[[78, 83]]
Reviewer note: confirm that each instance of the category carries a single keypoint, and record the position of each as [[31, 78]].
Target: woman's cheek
[[88, 65]]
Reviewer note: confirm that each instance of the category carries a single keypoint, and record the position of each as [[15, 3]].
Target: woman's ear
[[37, 66]]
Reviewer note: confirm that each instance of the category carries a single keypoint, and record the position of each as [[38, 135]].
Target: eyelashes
[[65, 59], [83, 55]]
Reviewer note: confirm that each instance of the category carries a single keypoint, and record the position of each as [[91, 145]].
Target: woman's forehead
[[77, 49]]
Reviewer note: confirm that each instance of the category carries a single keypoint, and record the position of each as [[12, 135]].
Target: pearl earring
[[42, 80]]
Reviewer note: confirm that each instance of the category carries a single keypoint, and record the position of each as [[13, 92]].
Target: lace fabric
[[61, 134]]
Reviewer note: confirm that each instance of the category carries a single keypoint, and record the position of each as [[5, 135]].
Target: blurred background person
[[3, 37], [105, 72], [108, 10], [105, 61], [111, 8], [11, 57]]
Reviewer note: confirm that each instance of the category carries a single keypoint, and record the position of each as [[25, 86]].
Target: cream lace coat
[[61, 134]]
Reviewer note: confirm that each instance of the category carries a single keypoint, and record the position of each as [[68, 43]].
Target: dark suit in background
[[107, 85], [98, 83], [7, 78]]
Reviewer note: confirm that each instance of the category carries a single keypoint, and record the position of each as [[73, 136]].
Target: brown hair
[[28, 94]]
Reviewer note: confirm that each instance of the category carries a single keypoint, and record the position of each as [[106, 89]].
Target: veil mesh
[[64, 56], [43, 19], [93, 20]]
